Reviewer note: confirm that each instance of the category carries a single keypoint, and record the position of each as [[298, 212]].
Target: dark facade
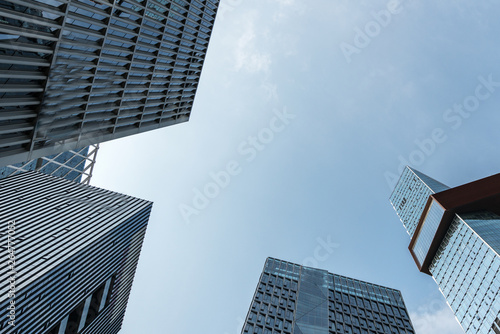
[[72, 165], [79, 72], [74, 251], [293, 299], [456, 239]]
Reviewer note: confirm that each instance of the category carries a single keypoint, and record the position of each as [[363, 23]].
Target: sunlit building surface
[[455, 237], [75, 250], [294, 299], [79, 72], [74, 165]]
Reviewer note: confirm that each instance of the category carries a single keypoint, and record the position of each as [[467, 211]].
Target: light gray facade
[[72, 251]]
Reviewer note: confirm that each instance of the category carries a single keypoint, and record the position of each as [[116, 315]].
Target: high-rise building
[[74, 165], [455, 237], [71, 255], [79, 72], [295, 299]]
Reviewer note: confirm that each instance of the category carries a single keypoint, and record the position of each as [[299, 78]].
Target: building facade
[[74, 165], [79, 72], [455, 237], [70, 254], [294, 299]]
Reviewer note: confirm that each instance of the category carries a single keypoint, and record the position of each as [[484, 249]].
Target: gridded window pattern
[[79, 72], [74, 165], [467, 270], [351, 314], [426, 234], [273, 306], [366, 290], [410, 196], [316, 302]]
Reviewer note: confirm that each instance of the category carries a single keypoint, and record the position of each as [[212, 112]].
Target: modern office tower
[[455, 237], [79, 72], [294, 299], [71, 165], [73, 253]]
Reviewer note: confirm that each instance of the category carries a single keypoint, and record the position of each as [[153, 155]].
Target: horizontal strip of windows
[[15, 126], [23, 62], [38, 33], [102, 115], [125, 24], [80, 40], [14, 142], [92, 35], [18, 88], [17, 115], [88, 11], [195, 21], [37, 21], [18, 47], [74, 106], [53, 7], [19, 102], [84, 21], [178, 99]]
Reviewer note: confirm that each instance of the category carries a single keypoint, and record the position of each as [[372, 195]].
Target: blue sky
[[305, 140]]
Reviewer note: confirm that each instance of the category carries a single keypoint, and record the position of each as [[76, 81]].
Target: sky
[[305, 114]]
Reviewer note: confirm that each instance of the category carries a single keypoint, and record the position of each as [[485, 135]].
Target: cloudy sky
[[304, 115]]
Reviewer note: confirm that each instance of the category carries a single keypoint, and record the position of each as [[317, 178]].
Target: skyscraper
[[71, 255], [455, 237], [79, 72], [71, 165], [294, 299]]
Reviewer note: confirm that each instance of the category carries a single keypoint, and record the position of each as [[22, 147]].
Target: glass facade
[[428, 230], [79, 72], [466, 264], [410, 196], [72, 165], [467, 270], [311, 314], [76, 250], [294, 299]]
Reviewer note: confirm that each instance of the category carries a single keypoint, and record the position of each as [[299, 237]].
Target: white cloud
[[441, 321], [247, 55], [286, 8]]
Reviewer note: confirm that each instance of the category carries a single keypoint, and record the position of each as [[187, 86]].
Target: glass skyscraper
[[74, 165], [294, 299], [79, 72], [70, 254], [455, 237], [414, 188]]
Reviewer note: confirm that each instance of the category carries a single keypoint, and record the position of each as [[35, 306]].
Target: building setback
[[74, 249], [455, 237], [293, 299], [79, 72], [71, 165]]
